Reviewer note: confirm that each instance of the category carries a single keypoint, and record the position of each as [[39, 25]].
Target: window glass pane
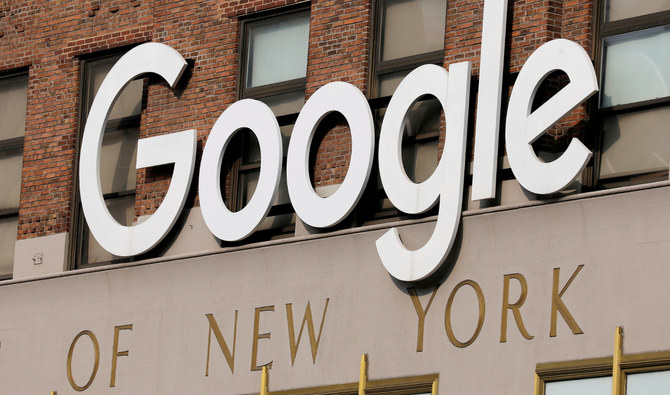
[[621, 9], [423, 117], [389, 82], [248, 183], [652, 383], [13, 98], [123, 211], [277, 51], [252, 151], [636, 67], [129, 103], [8, 229], [117, 160], [282, 191], [95, 253], [420, 145], [285, 103], [118, 153], [248, 180], [11, 180], [635, 143], [420, 160], [412, 27], [591, 386], [282, 104]]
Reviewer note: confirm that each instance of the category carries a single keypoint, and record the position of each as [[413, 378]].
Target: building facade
[[401, 248]]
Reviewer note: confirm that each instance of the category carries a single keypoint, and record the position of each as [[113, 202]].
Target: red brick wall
[[50, 38], [530, 23], [339, 41]]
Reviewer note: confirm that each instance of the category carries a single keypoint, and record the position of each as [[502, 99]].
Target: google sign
[[451, 88]]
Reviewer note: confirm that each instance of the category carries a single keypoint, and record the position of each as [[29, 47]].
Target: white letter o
[[256, 116], [349, 101]]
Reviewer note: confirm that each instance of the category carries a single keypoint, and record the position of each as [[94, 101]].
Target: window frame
[[239, 166], [380, 208], [263, 19], [602, 31], [79, 228], [571, 370], [13, 146], [379, 67], [396, 386], [600, 367]]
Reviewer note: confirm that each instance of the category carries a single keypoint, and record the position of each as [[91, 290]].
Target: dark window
[[408, 34], [634, 48], [13, 99], [273, 70], [117, 159]]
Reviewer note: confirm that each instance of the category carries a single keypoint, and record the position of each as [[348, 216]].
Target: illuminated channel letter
[[312, 209], [257, 117], [177, 148], [488, 100], [524, 127], [445, 184]]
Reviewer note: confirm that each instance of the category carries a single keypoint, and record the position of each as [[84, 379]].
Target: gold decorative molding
[[363, 376], [616, 361], [619, 366], [400, 386], [264, 381]]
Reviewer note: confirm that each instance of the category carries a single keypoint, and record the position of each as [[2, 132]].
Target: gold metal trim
[[264, 381], [337, 389], [570, 370], [567, 370], [538, 385], [616, 361], [403, 385], [363, 376], [396, 386], [646, 360], [619, 366]]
